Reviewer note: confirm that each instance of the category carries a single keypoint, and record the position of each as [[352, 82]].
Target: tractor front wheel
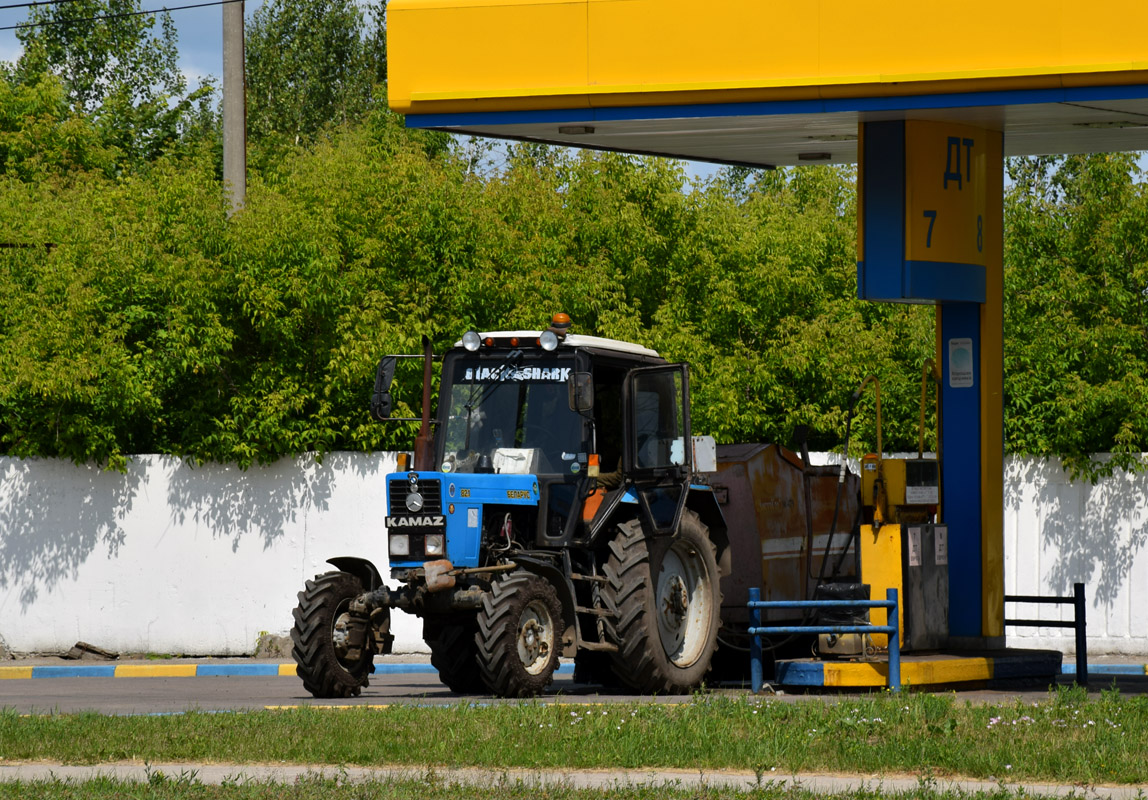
[[324, 637]]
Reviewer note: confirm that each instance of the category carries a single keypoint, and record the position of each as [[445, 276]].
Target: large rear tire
[[519, 635], [454, 653], [665, 599], [320, 637]]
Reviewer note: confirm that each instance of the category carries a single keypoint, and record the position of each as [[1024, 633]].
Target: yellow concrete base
[[936, 669]]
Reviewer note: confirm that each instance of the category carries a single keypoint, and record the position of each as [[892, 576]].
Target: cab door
[[658, 457]]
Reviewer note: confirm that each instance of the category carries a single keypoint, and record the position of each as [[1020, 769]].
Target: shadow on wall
[[1097, 531], [54, 515], [260, 501]]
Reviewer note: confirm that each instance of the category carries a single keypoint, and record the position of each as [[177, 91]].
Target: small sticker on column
[[914, 547], [941, 544], [961, 375]]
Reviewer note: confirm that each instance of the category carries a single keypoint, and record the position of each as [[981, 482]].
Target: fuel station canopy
[[766, 84]]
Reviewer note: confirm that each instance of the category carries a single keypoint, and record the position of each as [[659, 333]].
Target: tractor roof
[[570, 340]]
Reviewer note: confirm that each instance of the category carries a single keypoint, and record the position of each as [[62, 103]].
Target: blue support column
[[882, 188], [960, 325]]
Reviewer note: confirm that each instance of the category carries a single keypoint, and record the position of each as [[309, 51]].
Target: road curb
[[197, 670], [1107, 669], [149, 671]]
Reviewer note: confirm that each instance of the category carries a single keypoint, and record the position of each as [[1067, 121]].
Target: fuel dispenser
[[901, 544]]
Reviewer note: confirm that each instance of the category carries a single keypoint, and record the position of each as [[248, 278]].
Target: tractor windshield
[[509, 415]]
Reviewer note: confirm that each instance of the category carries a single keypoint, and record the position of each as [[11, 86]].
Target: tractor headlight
[[471, 341], [400, 544], [548, 340], [434, 544]]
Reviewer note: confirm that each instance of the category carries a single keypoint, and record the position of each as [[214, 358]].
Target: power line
[[110, 16], [38, 3]]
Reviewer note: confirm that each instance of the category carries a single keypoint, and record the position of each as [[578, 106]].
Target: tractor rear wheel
[[519, 635], [323, 634], [665, 600], [454, 653]]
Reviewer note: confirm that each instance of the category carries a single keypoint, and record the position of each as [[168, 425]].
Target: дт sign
[[946, 181]]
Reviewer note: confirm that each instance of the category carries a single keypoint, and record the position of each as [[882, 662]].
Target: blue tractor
[[556, 510]]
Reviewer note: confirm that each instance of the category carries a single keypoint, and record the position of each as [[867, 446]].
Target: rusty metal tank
[[761, 491]]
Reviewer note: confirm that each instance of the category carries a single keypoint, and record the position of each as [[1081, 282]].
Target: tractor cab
[[535, 431]]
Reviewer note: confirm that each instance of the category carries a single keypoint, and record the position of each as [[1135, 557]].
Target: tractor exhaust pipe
[[424, 444]]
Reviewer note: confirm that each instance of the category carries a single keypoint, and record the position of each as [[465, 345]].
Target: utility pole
[[234, 106]]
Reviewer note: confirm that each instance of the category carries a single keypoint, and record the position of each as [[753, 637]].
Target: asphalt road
[[170, 695], [173, 695]]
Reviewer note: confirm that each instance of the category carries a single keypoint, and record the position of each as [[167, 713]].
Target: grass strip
[[1067, 738]]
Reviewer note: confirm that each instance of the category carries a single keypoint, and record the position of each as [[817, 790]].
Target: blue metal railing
[[756, 630]]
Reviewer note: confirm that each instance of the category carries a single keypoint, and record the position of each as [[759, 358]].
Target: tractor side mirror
[[381, 397], [580, 386]]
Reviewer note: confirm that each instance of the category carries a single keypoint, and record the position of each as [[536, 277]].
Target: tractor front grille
[[431, 490]]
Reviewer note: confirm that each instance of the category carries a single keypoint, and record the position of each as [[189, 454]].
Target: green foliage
[[40, 136], [754, 288], [1076, 289], [103, 337], [311, 64], [114, 70]]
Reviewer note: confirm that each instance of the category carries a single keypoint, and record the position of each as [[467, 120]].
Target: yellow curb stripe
[[956, 670], [318, 707], [288, 670], [7, 673], [860, 674], [155, 671], [913, 673]]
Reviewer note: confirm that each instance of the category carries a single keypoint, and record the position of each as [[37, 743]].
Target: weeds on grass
[[322, 788]]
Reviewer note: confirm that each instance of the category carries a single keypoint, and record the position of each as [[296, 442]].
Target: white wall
[[170, 558], [1059, 532]]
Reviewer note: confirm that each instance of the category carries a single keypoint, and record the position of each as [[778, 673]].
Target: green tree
[[1076, 308], [40, 135], [115, 341], [114, 69], [310, 64]]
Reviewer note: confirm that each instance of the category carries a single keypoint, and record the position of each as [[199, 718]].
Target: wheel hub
[[683, 604], [340, 633], [675, 602], [535, 638], [348, 634]]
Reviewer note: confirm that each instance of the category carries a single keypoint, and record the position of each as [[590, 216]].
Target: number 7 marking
[[932, 215]]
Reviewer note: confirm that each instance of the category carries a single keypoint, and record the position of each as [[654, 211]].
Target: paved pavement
[[584, 779], [247, 684]]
